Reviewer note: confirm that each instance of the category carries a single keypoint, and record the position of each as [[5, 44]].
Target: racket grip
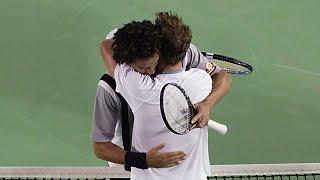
[[220, 128]]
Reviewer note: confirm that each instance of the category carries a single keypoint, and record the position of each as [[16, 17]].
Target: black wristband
[[136, 159]]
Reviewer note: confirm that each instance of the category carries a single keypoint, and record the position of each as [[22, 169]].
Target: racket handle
[[220, 128]]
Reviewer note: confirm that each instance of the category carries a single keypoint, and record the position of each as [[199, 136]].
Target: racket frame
[[230, 60]]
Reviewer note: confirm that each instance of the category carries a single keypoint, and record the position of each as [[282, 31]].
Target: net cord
[[119, 172]]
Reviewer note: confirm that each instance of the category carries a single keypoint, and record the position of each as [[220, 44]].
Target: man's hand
[[158, 159], [203, 115]]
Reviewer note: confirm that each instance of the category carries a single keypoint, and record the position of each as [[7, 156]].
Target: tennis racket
[[177, 111], [229, 64]]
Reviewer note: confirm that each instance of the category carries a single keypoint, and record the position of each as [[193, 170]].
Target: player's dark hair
[[176, 37], [137, 39]]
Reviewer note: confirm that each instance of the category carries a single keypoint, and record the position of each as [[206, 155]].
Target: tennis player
[[147, 88], [108, 137], [111, 125], [142, 94]]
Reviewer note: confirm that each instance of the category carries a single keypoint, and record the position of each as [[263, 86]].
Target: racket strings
[[229, 64], [231, 67], [177, 110], [184, 113]]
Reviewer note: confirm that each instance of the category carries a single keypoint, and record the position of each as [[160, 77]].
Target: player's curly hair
[[176, 37], [137, 39]]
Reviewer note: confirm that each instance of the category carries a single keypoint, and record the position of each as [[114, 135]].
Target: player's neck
[[173, 68]]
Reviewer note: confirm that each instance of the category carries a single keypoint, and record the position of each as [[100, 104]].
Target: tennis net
[[303, 171]]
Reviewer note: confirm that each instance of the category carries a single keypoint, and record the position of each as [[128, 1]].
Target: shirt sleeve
[[132, 85], [195, 59], [110, 34], [105, 116]]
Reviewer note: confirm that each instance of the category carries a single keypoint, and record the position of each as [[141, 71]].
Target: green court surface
[[50, 66]]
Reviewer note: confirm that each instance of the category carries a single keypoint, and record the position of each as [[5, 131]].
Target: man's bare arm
[[221, 84], [113, 153], [109, 152], [106, 54]]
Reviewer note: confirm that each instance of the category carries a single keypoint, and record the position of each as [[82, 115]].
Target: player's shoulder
[[125, 67], [122, 70], [106, 88], [107, 80], [196, 72], [200, 76], [131, 81]]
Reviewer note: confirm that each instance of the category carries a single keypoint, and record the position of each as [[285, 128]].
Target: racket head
[[229, 64], [176, 109]]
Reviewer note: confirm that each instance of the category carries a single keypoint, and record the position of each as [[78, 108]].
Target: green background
[[50, 67]]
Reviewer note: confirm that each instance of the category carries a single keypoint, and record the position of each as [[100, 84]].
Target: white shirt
[[143, 96]]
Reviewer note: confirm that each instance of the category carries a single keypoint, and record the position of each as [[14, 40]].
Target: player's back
[[143, 96]]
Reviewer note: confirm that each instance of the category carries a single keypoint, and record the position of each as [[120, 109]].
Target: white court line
[[253, 55], [297, 69], [256, 67]]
